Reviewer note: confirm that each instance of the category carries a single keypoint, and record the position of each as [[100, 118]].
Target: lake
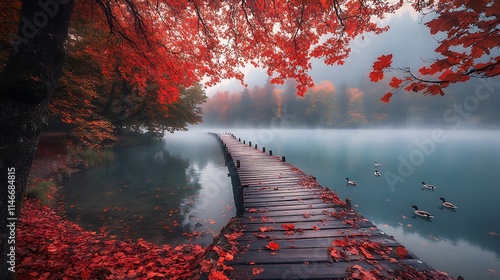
[[181, 187], [168, 193]]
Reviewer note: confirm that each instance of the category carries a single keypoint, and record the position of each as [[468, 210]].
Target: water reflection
[[166, 193]]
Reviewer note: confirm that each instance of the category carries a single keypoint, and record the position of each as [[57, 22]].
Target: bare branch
[[336, 6]]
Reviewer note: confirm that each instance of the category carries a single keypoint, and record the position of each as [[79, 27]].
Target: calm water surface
[[167, 193], [164, 191]]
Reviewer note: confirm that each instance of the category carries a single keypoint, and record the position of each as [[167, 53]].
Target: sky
[[408, 40]]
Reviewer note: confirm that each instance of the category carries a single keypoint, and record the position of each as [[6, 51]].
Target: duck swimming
[[350, 182], [447, 204], [377, 164], [427, 186], [377, 173], [421, 213]]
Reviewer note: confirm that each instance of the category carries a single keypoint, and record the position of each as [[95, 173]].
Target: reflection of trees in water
[[138, 196]]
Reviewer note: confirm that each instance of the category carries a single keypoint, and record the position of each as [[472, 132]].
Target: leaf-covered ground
[[51, 247]]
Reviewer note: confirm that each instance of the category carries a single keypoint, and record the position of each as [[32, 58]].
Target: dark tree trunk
[[28, 80]]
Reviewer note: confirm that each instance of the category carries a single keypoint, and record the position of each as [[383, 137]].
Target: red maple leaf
[[395, 82], [376, 75], [387, 97], [402, 252], [383, 61], [334, 253], [288, 226], [273, 246], [257, 270], [339, 243], [365, 252]]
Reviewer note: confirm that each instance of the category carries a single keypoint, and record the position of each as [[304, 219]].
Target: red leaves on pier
[[288, 226], [402, 252], [257, 270], [273, 246]]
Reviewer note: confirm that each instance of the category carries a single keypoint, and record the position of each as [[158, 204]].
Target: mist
[[344, 97]]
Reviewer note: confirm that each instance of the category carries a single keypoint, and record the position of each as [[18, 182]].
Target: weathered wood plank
[[283, 202], [323, 242], [322, 225], [340, 232], [316, 270]]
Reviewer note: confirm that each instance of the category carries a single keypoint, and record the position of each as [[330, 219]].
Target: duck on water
[[428, 186], [421, 213], [447, 204]]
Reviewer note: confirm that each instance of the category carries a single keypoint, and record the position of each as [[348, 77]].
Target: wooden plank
[[323, 242], [277, 193], [316, 270], [283, 202], [340, 232], [328, 224], [272, 207]]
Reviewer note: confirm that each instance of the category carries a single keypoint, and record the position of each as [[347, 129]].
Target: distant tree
[[322, 109], [342, 103], [356, 114], [264, 107], [244, 107]]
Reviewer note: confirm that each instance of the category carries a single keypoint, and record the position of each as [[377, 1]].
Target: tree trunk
[[28, 81]]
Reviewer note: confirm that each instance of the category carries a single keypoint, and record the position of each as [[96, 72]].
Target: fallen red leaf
[[273, 246], [288, 226], [365, 252], [263, 229], [257, 270], [85, 274], [339, 243], [402, 252], [334, 253]]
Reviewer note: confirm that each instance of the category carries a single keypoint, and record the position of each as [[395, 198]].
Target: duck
[[350, 182], [421, 213], [427, 186], [377, 164], [448, 204], [377, 173]]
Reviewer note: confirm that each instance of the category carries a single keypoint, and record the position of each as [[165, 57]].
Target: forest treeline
[[327, 105]]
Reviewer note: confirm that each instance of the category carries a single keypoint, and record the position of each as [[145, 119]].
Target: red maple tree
[[468, 36]]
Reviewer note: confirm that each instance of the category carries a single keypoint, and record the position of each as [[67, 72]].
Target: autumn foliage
[[50, 247], [468, 37]]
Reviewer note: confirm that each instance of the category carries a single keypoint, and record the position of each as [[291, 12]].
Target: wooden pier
[[296, 229]]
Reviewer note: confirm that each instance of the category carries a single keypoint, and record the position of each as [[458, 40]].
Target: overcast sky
[[407, 40]]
